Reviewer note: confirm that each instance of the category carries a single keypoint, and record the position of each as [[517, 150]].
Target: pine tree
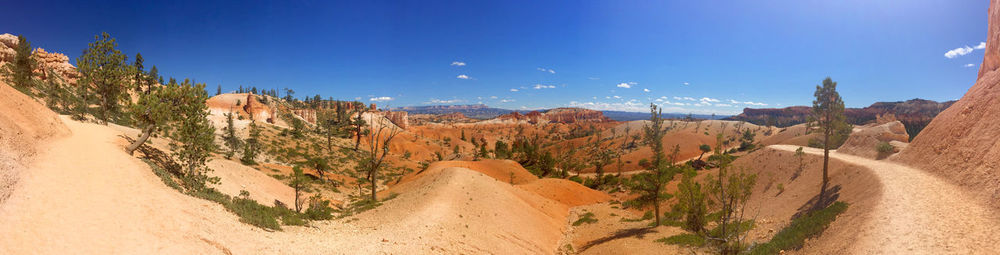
[[20, 72], [252, 146], [103, 68], [154, 110], [649, 185], [828, 118], [218, 90], [193, 137], [358, 124], [299, 183], [139, 77], [229, 137], [152, 79]]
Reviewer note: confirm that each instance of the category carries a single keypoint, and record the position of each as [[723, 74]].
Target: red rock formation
[[257, 110], [558, 115], [309, 115], [57, 62], [963, 142], [398, 118]]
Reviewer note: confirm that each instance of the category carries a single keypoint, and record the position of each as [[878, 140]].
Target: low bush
[[586, 218], [802, 228]]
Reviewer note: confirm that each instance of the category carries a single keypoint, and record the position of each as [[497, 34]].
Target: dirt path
[[919, 213]]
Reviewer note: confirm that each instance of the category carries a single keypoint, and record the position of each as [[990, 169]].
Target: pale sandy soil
[[919, 213], [84, 195]]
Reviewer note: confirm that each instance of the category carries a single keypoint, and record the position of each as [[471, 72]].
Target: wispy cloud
[[457, 63], [685, 98], [543, 86], [381, 99], [970, 65], [686, 83], [507, 100], [964, 50], [593, 78], [624, 85], [464, 77], [734, 102], [709, 100], [513, 90], [645, 90], [546, 70]]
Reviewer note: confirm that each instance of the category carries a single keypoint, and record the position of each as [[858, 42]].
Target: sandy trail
[[919, 213]]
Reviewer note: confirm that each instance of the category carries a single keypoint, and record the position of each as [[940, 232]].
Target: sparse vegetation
[[828, 118], [795, 234]]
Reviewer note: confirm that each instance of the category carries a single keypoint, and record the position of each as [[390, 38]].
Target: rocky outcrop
[[558, 115], [963, 142], [258, 110], [398, 118], [57, 62], [309, 115], [864, 141]]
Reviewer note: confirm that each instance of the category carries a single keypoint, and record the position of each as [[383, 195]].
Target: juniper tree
[[828, 119], [20, 72], [103, 69], [229, 137]]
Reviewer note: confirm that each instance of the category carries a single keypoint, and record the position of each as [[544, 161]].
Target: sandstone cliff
[[963, 142], [558, 115], [57, 62]]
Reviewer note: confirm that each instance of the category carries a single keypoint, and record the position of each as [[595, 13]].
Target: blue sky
[[690, 56]]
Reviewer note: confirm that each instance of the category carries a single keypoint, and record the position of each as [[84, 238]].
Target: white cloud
[[754, 103], [546, 70], [493, 97], [709, 100], [624, 85], [685, 98], [593, 78], [381, 99], [964, 50], [464, 77], [438, 101], [507, 100], [617, 97], [513, 90], [457, 63], [543, 86], [724, 105], [970, 65], [645, 90], [686, 83]]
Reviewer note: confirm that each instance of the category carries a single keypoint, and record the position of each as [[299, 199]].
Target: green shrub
[[884, 149], [319, 209], [253, 213], [586, 218], [807, 226], [577, 179]]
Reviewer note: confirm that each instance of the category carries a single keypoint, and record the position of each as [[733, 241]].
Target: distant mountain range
[[915, 114], [481, 111]]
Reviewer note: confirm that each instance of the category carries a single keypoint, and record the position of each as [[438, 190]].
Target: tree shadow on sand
[[624, 233], [833, 193]]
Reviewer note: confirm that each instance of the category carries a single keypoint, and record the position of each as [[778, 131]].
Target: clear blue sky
[[692, 56]]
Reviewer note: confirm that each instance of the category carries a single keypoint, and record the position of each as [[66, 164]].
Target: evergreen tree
[[253, 145], [139, 77], [649, 185], [358, 124], [299, 182], [229, 137], [218, 90], [103, 68], [152, 79], [20, 72], [153, 111], [193, 137], [828, 119]]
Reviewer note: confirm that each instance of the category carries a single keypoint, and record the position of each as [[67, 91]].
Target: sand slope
[[24, 125]]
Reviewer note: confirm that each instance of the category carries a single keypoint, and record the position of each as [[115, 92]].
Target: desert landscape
[[102, 153]]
